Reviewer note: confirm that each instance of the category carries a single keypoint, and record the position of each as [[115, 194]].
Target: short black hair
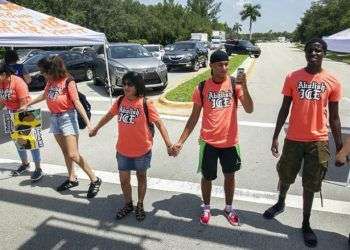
[[11, 56], [135, 79], [4, 68], [316, 40]]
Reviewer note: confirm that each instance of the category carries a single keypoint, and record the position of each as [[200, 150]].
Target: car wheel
[[89, 74], [196, 66], [169, 68], [256, 55]]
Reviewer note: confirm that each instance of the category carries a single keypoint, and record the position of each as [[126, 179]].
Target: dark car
[[81, 67], [124, 57], [88, 51], [187, 54], [242, 47]]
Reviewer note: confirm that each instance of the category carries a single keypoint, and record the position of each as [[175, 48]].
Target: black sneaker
[[21, 170], [94, 188], [67, 184], [37, 175]]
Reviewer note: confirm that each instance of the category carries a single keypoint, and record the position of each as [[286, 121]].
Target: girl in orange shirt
[[136, 116], [14, 95], [62, 99]]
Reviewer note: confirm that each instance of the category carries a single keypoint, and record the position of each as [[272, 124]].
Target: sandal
[[122, 212], [140, 212]]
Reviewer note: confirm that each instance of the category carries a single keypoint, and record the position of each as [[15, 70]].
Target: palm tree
[[252, 12], [237, 27]]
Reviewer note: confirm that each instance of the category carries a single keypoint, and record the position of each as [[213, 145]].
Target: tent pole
[[107, 71]]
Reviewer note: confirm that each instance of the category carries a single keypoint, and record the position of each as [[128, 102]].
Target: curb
[[186, 105]]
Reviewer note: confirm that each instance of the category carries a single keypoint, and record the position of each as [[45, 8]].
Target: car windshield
[[151, 48], [34, 59], [246, 43], [128, 51], [184, 46]]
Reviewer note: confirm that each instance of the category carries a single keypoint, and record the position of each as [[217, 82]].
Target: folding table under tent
[[23, 27], [339, 42]]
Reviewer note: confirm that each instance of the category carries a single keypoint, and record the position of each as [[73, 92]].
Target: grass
[[183, 92]]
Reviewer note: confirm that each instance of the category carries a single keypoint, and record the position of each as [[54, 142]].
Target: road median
[[180, 96]]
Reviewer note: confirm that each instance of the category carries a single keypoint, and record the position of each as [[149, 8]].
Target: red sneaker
[[205, 217], [232, 217]]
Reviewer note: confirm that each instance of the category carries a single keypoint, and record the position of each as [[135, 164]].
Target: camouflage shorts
[[314, 155]]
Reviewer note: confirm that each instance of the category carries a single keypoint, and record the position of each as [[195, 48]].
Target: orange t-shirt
[[59, 98], [219, 121], [134, 136], [310, 96], [12, 92]]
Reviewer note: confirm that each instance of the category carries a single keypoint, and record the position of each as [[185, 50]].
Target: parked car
[[79, 66], [242, 47], [156, 50], [124, 57], [168, 47], [24, 54], [216, 45], [187, 54], [88, 51]]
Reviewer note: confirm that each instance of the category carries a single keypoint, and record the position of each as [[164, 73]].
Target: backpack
[[145, 110], [233, 83], [84, 102], [17, 69]]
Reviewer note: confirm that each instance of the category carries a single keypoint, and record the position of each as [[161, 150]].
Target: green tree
[[252, 12], [324, 18], [237, 27]]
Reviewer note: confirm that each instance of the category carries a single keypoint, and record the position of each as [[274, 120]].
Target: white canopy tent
[[22, 27], [339, 42]]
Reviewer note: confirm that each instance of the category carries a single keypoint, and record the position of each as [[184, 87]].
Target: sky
[[276, 15]]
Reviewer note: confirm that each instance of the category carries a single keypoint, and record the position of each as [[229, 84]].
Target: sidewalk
[[70, 221]]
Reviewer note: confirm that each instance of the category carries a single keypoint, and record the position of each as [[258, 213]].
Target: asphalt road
[[175, 222]]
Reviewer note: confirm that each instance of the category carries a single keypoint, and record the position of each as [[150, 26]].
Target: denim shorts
[[65, 123], [141, 163]]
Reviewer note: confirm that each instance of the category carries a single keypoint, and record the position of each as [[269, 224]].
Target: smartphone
[[240, 72]]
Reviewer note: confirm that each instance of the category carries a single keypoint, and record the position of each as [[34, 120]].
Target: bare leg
[[206, 191], [71, 143], [69, 163], [142, 185], [124, 177], [229, 187]]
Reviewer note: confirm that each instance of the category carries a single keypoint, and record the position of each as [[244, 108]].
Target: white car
[[156, 50]]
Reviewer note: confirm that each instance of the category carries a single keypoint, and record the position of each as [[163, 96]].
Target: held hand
[[274, 148], [92, 132], [170, 150], [23, 108], [176, 149], [341, 159]]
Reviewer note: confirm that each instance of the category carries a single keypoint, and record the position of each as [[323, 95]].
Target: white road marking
[[346, 99], [255, 196]]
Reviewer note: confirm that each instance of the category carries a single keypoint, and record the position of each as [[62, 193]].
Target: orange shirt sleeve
[[153, 114], [336, 94], [196, 97], [72, 91], [287, 89], [114, 109]]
